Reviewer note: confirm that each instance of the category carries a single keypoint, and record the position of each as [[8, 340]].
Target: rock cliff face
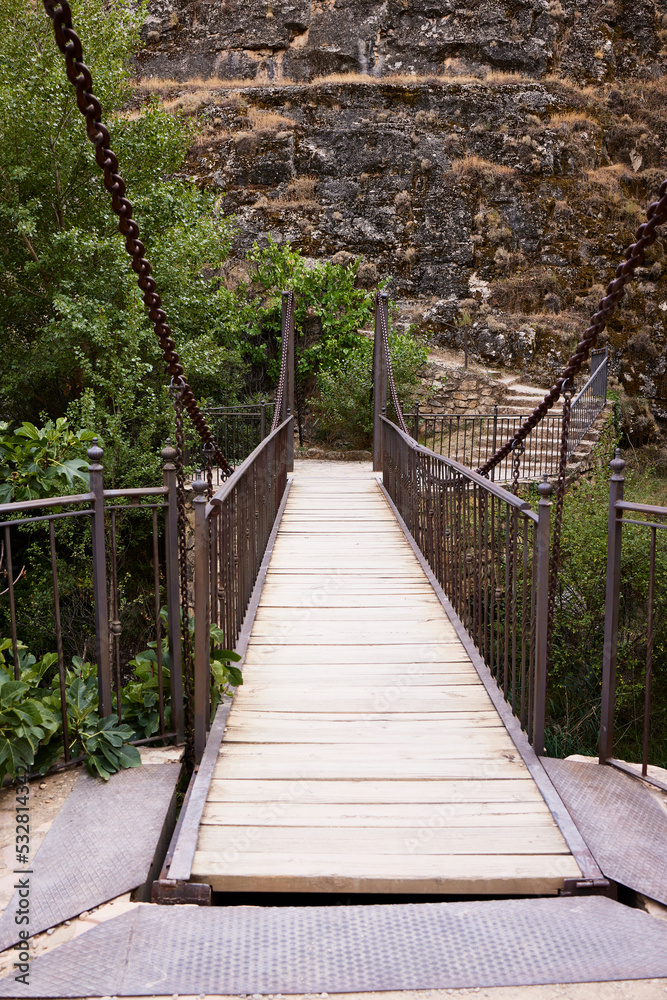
[[495, 159], [267, 40]]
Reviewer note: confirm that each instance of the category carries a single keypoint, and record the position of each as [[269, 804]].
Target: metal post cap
[[199, 487], [545, 489], [95, 452], [616, 465], [168, 453]]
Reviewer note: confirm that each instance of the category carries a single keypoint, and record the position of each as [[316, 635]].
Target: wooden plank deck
[[363, 753]]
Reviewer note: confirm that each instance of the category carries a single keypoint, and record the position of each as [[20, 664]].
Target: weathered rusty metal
[[285, 390], [80, 77], [490, 553], [379, 377], [384, 327]]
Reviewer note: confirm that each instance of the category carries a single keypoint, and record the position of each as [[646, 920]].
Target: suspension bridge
[[387, 745]]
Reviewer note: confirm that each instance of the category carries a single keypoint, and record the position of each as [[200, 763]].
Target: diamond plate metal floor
[[623, 822], [101, 844], [244, 950]]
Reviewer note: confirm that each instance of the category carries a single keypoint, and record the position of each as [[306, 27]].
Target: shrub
[[344, 407]]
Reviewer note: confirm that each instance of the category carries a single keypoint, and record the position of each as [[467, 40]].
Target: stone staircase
[[478, 392]]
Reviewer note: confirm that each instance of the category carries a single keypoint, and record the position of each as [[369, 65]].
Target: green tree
[[74, 332]]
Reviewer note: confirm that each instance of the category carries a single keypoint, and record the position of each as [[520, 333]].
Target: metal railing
[[589, 402], [650, 519], [105, 512], [237, 430], [472, 439], [232, 530], [490, 553]]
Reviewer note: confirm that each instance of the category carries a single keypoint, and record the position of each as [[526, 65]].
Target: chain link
[[280, 393], [518, 450], [80, 77], [390, 370], [176, 389], [645, 237]]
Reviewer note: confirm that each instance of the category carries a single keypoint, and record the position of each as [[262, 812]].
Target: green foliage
[[224, 676], [74, 333], [325, 293], [344, 409], [24, 722], [41, 461], [31, 728]]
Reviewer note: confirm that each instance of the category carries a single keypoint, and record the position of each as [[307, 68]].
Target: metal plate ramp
[[102, 844], [623, 821], [155, 950]]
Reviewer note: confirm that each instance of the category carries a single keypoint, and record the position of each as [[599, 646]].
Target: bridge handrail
[[587, 405], [616, 524], [232, 531], [463, 470], [490, 553], [107, 606], [220, 496]]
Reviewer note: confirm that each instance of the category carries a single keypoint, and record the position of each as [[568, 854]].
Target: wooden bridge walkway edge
[[180, 856]]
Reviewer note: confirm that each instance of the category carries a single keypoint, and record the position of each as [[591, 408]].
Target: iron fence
[[232, 530], [237, 430], [104, 512], [490, 553], [589, 402], [472, 439], [652, 520]]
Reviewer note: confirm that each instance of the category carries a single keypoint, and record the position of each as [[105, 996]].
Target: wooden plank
[[434, 652], [361, 710], [459, 751], [244, 730], [338, 814], [455, 720], [413, 614], [476, 791], [305, 768], [357, 676], [423, 699], [518, 839], [480, 875]]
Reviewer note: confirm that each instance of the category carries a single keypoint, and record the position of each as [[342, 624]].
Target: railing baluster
[[158, 622], [477, 538], [12, 603], [59, 640], [649, 654], [612, 597], [202, 643]]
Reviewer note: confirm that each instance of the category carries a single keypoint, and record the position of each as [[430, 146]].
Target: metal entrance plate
[[155, 950], [101, 844], [620, 818]]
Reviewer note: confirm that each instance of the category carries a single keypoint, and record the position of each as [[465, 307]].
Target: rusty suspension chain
[[287, 332], [645, 237], [390, 373], [80, 77]]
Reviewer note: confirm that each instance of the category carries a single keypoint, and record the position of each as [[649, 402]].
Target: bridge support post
[[202, 592], [541, 615], [379, 376], [100, 581], [287, 328], [611, 607], [173, 598]]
